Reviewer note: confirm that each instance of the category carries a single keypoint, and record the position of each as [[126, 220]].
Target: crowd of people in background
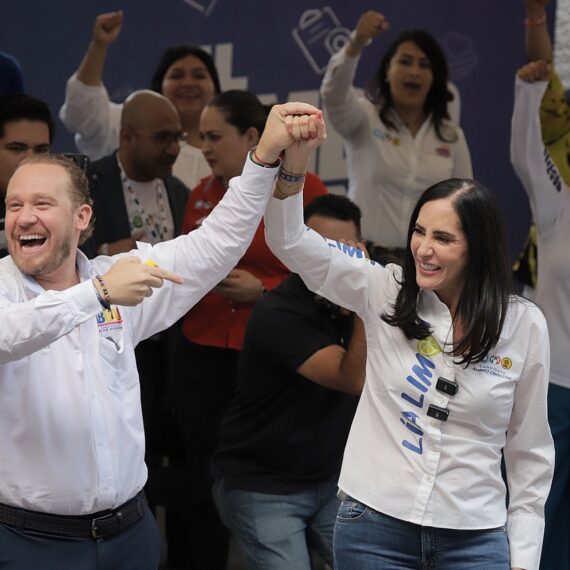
[[350, 377]]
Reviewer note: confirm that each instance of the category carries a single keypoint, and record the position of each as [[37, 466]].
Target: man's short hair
[[24, 108], [336, 207], [78, 184]]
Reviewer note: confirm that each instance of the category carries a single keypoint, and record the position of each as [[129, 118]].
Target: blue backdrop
[[279, 50]]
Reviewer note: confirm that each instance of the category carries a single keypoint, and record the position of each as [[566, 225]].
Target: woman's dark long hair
[[173, 54], [242, 109], [378, 90], [483, 302]]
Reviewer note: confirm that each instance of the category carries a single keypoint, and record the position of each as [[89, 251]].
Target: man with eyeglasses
[[26, 128], [136, 198]]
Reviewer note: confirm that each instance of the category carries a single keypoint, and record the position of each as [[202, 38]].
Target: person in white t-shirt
[[399, 138], [457, 372], [185, 74]]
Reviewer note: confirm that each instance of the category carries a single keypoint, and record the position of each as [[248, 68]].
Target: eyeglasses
[[449, 387], [165, 138]]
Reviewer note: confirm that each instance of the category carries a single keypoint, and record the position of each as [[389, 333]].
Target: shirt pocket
[[117, 361]]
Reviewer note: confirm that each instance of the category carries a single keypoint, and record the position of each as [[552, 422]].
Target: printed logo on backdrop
[[202, 6], [320, 35], [461, 56]]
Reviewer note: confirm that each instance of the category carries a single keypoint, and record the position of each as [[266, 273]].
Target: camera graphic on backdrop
[[320, 35], [202, 6]]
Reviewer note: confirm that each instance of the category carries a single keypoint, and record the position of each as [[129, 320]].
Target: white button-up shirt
[[71, 431], [402, 462], [550, 203], [387, 169]]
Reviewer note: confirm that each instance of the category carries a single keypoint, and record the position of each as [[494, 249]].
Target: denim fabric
[[365, 539], [134, 548], [556, 545], [275, 532]]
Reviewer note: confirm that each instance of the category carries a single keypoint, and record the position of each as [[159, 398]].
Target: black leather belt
[[97, 525]]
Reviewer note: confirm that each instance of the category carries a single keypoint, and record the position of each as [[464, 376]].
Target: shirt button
[[434, 423], [434, 447]]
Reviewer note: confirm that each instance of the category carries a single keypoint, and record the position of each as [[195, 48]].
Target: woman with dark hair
[[213, 331], [399, 137], [185, 74], [457, 372]]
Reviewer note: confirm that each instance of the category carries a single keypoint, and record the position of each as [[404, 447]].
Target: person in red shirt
[[213, 331]]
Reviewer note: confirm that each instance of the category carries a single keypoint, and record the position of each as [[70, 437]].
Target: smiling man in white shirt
[[71, 435]]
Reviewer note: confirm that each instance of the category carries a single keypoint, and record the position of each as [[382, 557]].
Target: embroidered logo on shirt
[[384, 136], [443, 150], [428, 346], [495, 365]]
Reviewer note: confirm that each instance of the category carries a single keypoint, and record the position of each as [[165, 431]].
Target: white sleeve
[[339, 97], [204, 256], [462, 167], [336, 271], [531, 161], [529, 453], [32, 325], [95, 120]]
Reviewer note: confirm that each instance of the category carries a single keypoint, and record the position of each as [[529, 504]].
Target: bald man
[[136, 198]]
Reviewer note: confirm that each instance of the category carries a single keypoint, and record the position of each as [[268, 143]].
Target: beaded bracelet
[[256, 160], [531, 22], [107, 301], [99, 298]]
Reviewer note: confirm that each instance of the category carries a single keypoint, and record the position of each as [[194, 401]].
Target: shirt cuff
[[525, 533]]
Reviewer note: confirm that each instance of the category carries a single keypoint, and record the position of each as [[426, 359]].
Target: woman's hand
[[369, 25], [535, 71], [277, 135], [240, 286], [308, 132], [107, 28]]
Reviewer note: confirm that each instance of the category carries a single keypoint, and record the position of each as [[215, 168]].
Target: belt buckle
[[95, 522]]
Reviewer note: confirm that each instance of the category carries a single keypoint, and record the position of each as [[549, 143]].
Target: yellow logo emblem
[[428, 346], [506, 363]]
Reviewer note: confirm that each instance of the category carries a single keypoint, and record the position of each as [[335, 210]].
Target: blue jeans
[[275, 532], [365, 539], [556, 547]]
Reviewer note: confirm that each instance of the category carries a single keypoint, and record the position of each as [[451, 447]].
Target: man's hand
[[129, 281], [277, 135], [107, 28], [240, 286], [535, 71]]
